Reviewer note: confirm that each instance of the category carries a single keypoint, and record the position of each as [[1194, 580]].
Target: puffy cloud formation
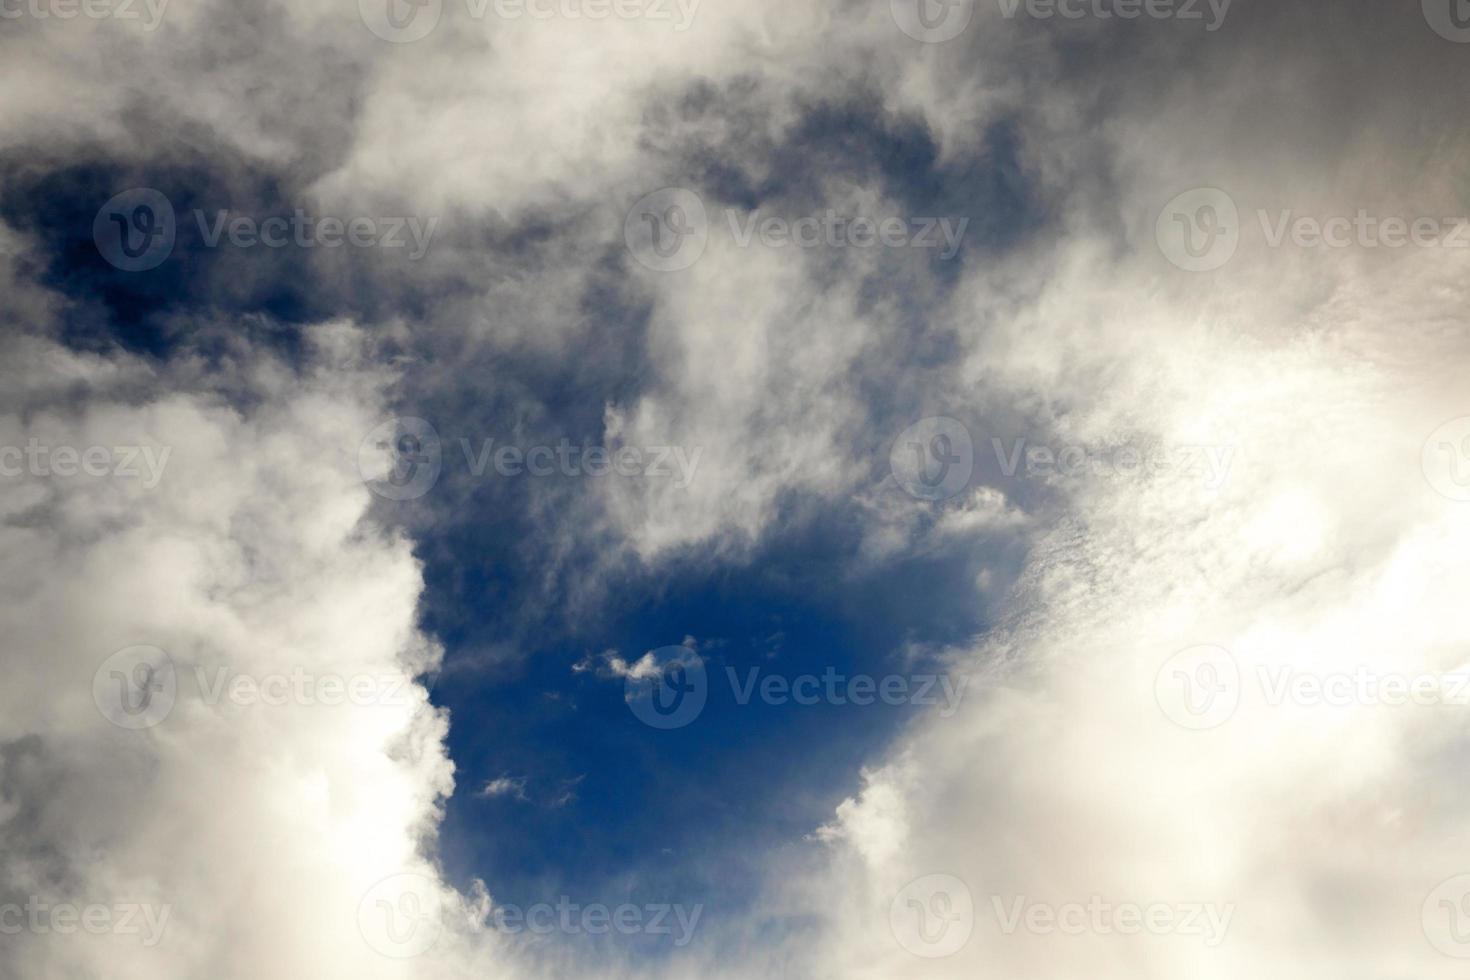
[[1312, 798], [1141, 781], [286, 760]]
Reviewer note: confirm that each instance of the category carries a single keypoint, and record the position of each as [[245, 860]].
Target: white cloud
[[512, 786], [263, 828], [260, 826]]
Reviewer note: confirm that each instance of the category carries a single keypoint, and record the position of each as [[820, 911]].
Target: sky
[[821, 489]]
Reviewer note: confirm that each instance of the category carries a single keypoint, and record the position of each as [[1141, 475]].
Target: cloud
[[1324, 551], [514, 787], [245, 815], [279, 835]]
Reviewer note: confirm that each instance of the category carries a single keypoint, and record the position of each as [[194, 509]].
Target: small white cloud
[[511, 786], [613, 665]]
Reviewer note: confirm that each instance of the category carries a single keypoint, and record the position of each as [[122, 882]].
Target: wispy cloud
[[513, 787]]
